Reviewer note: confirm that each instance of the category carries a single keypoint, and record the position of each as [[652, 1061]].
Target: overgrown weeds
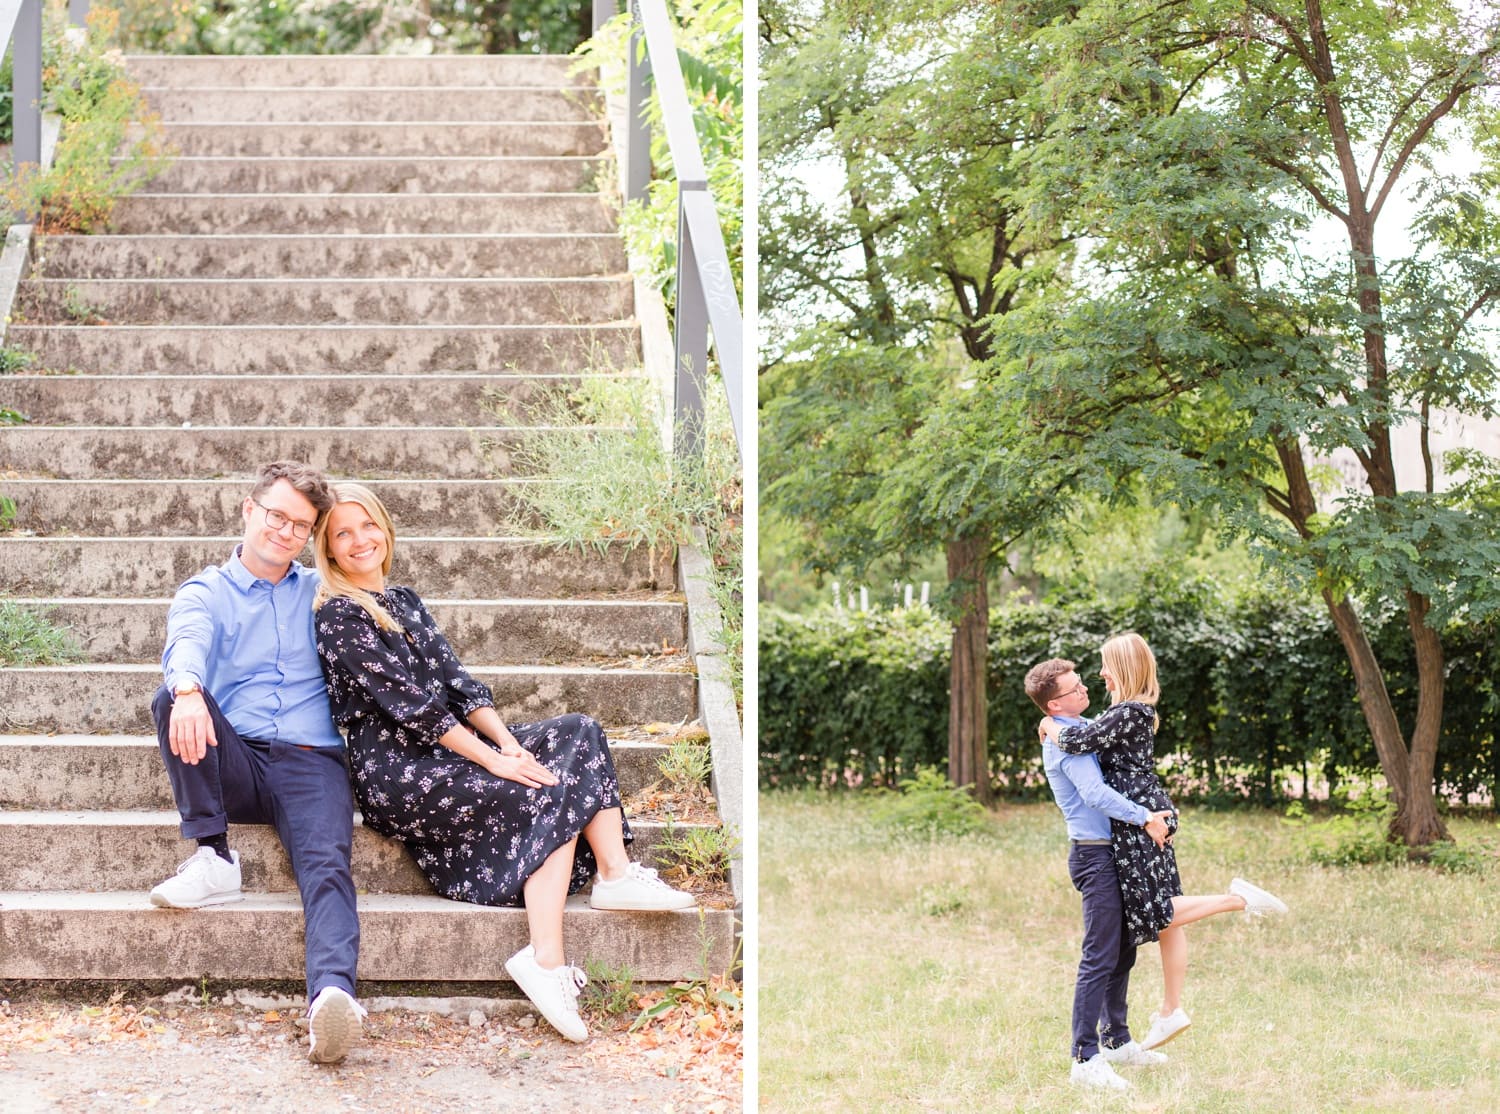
[[701, 854], [28, 637], [104, 115], [612, 480]]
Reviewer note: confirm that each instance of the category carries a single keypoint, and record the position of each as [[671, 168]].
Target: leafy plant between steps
[[104, 116], [28, 637], [610, 989], [610, 480], [711, 1005], [700, 853], [686, 765]]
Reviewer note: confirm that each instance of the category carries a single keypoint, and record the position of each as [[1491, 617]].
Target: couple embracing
[[266, 659], [1121, 860]]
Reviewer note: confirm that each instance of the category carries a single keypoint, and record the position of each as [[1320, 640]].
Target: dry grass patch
[[910, 975]]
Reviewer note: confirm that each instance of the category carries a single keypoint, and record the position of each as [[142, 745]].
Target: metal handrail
[[21, 28], [706, 298]]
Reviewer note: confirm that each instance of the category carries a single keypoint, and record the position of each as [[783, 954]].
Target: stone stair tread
[[120, 935]]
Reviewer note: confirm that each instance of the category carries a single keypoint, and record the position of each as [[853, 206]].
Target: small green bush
[[1455, 858], [929, 808], [27, 637]]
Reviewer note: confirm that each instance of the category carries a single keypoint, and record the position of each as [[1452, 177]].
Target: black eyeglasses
[[276, 520]]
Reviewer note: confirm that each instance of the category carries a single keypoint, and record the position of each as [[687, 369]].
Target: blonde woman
[[492, 814], [1150, 888]]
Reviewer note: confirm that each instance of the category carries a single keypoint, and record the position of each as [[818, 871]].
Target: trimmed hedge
[[1250, 689]]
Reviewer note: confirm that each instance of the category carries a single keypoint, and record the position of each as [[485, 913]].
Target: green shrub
[[28, 637], [1252, 688], [929, 808]]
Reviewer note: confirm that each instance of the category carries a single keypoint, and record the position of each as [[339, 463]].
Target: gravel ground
[[245, 1050]]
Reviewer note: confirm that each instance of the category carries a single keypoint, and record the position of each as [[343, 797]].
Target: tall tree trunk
[[1417, 820], [968, 702], [1374, 699]]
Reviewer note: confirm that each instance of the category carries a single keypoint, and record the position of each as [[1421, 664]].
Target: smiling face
[[1072, 697], [358, 545], [266, 550]]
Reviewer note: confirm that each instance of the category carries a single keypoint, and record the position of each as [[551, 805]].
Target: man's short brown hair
[[1041, 681], [304, 478]]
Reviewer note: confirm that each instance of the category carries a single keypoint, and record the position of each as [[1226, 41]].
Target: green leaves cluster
[[710, 44]]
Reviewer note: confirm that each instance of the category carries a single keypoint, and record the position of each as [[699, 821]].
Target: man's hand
[[191, 730], [1156, 827]]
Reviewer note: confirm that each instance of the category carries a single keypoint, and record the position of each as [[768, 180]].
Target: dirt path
[[175, 1054]]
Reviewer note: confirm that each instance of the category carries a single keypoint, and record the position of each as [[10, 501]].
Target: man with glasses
[[247, 737], [1087, 805]]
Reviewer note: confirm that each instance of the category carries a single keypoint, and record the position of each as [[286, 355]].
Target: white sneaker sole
[[333, 1031], [569, 1026], [162, 901], [1169, 1038]]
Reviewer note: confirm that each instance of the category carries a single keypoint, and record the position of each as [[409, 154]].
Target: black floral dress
[[1124, 739], [476, 837]]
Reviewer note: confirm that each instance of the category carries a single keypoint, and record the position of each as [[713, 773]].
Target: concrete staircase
[[377, 265]]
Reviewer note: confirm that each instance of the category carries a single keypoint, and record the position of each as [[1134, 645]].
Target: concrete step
[[341, 301], [569, 174], [395, 140], [134, 850], [344, 213], [99, 452], [103, 699], [320, 350], [243, 400], [492, 631], [68, 772], [403, 937], [443, 567], [177, 507], [521, 255], [343, 104], [183, 71]]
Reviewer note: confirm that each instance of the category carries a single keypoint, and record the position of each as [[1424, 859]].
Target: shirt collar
[[244, 579]]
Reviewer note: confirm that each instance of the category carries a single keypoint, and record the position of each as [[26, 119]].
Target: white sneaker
[[639, 889], [1096, 1072], [1132, 1055], [554, 992], [333, 1025], [205, 879], [1166, 1028], [1257, 902]]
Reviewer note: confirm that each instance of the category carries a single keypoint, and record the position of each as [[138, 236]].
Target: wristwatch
[[186, 688]]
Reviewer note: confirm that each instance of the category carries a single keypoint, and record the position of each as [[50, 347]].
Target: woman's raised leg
[[605, 836]]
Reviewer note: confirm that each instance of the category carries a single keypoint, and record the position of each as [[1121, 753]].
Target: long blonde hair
[[335, 582], [1133, 666]]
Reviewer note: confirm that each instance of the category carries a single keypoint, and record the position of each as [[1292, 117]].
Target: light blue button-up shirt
[[1078, 786], [250, 644]]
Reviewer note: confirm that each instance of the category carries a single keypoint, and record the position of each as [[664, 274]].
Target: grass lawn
[[896, 975]]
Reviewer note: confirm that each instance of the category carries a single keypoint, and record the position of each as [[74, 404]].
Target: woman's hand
[[1048, 729], [522, 768]]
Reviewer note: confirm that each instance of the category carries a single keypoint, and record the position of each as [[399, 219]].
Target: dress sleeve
[[356, 658], [464, 691], [1112, 729]]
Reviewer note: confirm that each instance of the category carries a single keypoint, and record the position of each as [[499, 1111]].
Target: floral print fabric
[[476, 837], [1124, 738]]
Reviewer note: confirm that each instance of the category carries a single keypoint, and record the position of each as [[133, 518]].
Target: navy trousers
[[304, 793], [1108, 954]]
